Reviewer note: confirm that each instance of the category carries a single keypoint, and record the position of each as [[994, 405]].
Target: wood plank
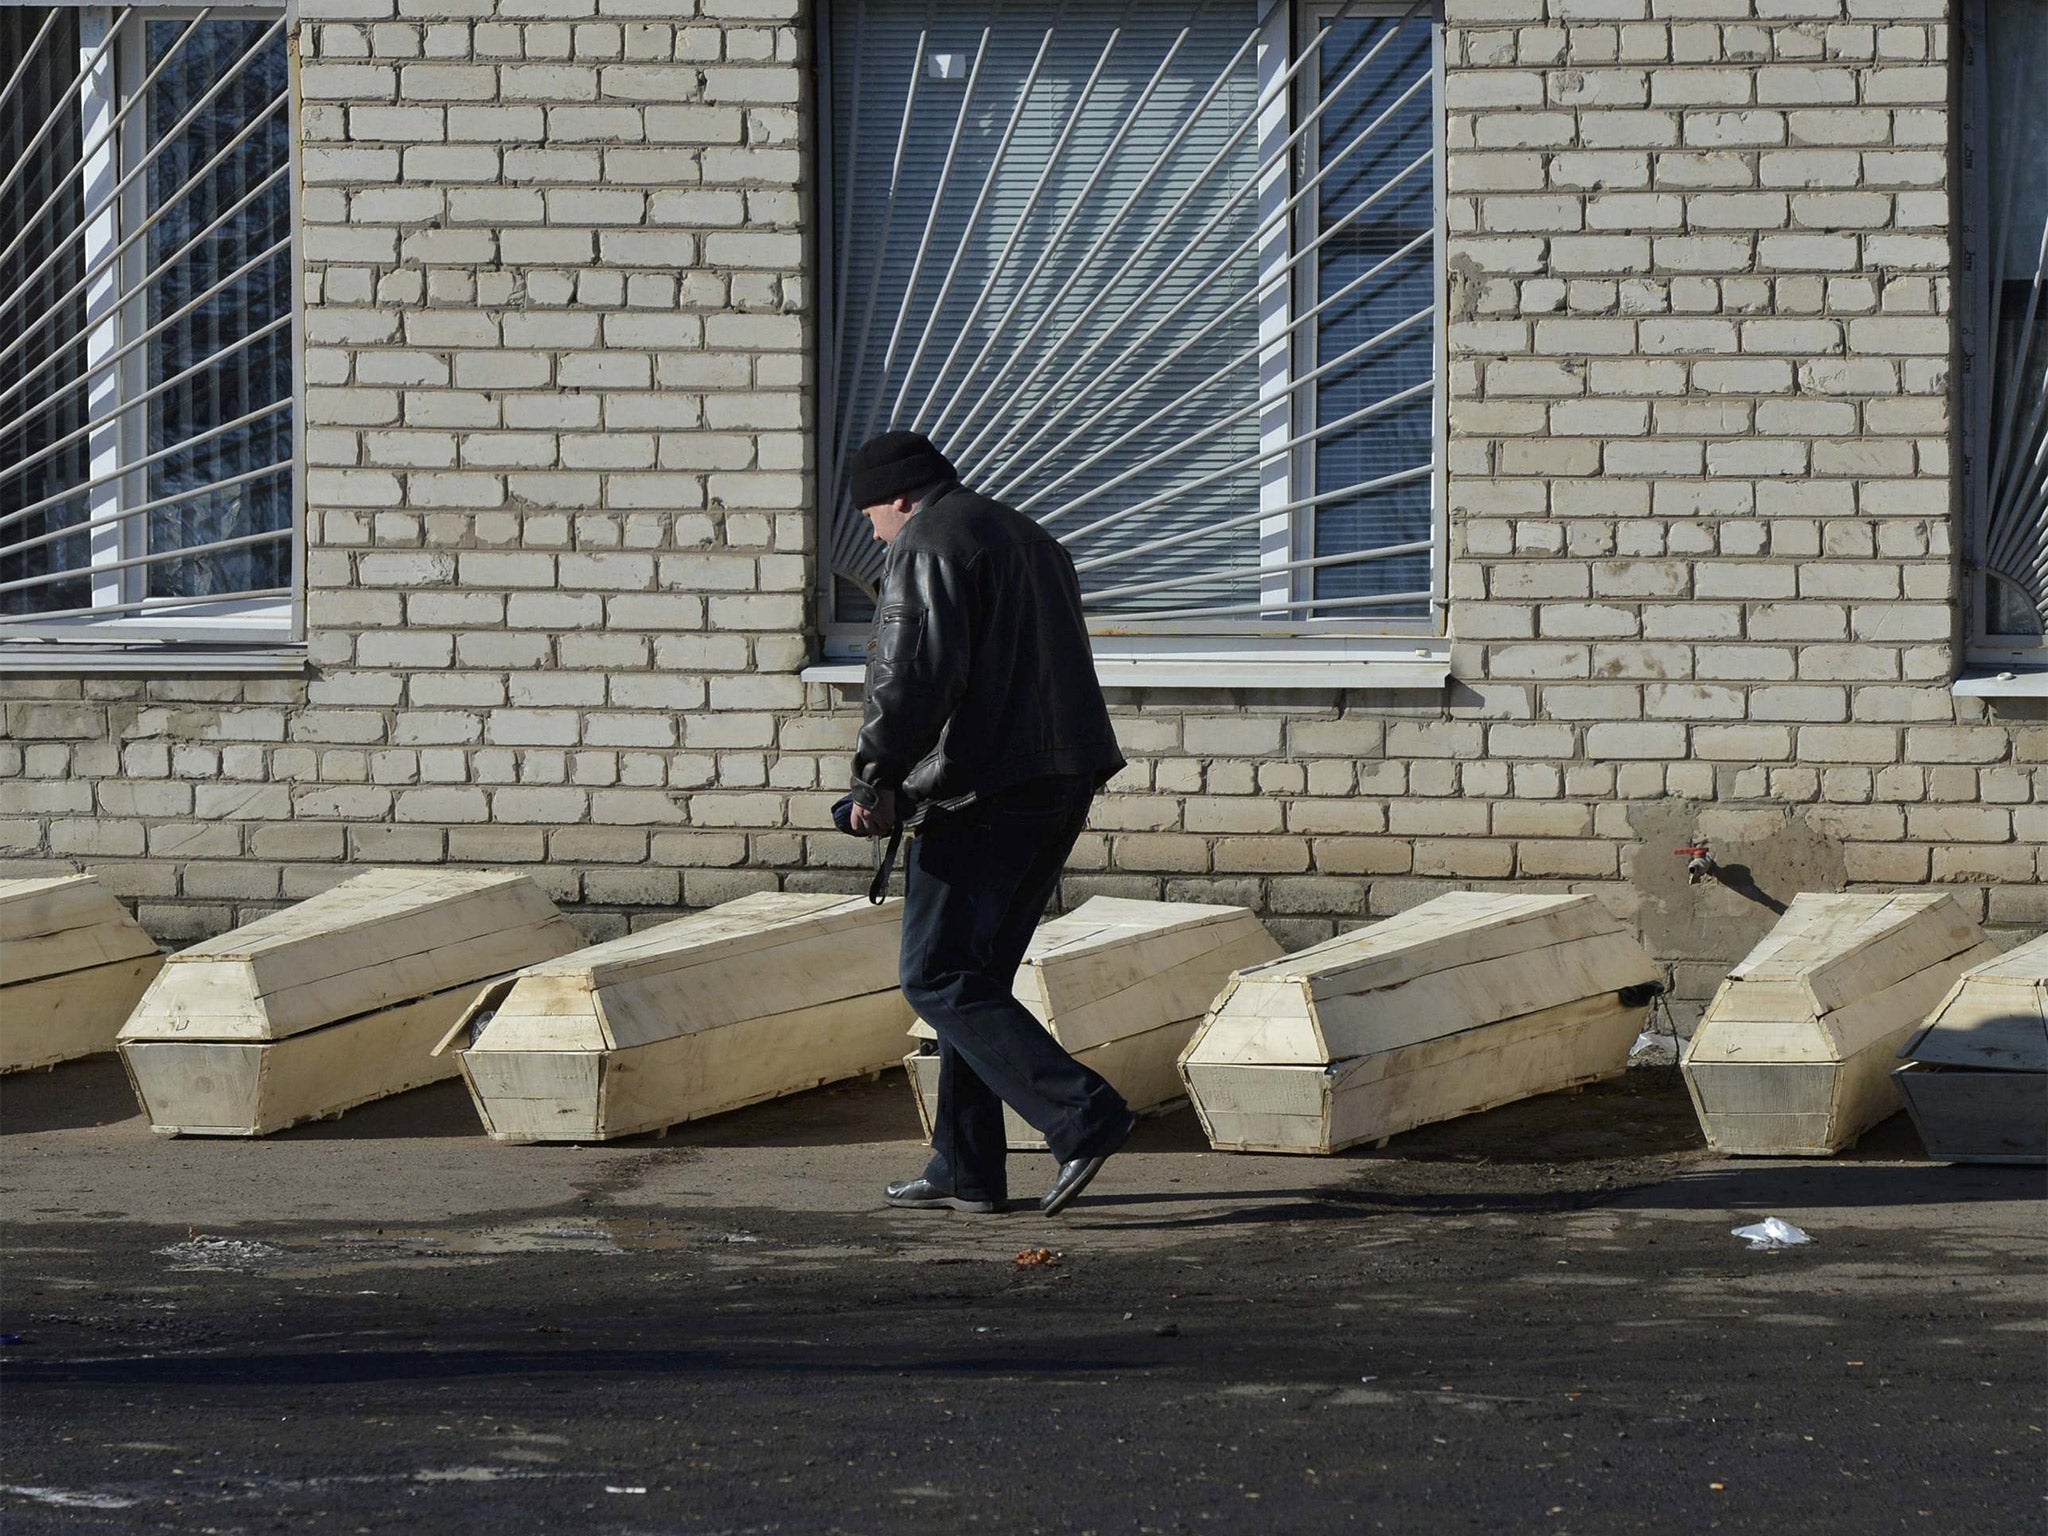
[[1829, 949], [1116, 966], [1995, 1016], [774, 952], [61, 1018], [383, 938], [254, 1088], [1886, 1018], [1462, 928], [1800, 1043], [1324, 1109], [765, 996], [49, 927], [1972, 1116], [1456, 963], [1257, 1021], [1468, 996], [553, 1095], [1140, 1067]]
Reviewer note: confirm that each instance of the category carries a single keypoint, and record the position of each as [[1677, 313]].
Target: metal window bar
[[154, 368], [931, 222], [1196, 517], [205, 604], [136, 562], [921, 418], [867, 319], [1265, 455], [1268, 283], [981, 200], [2006, 361], [1105, 162], [35, 45], [129, 348], [1267, 225], [1215, 424], [66, 100], [73, 530], [127, 242], [106, 135], [153, 392], [1246, 519], [1312, 563], [1106, 287], [220, 429]]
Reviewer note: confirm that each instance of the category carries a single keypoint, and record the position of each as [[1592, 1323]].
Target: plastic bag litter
[[1654, 1048], [1771, 1234]]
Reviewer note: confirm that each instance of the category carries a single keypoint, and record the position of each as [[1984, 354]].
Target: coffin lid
[[385, 937], [1995, 1016], [52, 926]]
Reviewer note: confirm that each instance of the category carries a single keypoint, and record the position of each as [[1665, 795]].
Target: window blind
[[2007, 379], [145, 311], [1376, 274], [1059, 231], [1022, 188]]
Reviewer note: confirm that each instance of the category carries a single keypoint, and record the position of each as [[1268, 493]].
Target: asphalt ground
[[1534, 1320]]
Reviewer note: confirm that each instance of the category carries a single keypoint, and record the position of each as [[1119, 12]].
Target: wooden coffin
[[72, 964], [331, 1003], [1794, 1055], [1976, 1078], [1122, 985], [761, 997], [1464, 1003]]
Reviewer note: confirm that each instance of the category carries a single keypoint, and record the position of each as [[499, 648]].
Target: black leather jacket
[[979, 669]]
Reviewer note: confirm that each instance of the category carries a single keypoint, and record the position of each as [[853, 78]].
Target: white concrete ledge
[[1310, 663], [1323, 676], [2011, 684], [155, 659]]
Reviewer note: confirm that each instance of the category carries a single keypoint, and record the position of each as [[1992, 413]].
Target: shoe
[[920, 1195], [1074, 1175]]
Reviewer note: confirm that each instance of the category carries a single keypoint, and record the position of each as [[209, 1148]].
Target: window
[[2005, 327], [1161, 274], [147, 481]]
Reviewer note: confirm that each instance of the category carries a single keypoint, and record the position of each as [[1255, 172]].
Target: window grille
[[1162, 275], [147, 481], [2005, 325]]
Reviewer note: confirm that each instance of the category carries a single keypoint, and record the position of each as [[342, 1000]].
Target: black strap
[[878, 888]]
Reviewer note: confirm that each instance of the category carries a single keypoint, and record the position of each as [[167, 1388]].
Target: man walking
[[986, 737]]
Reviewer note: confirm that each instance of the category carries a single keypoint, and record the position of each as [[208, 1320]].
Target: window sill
[[153, 658], [2010, 683], [1406, 667]]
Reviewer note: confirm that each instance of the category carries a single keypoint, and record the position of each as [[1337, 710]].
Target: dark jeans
[[975, 884]]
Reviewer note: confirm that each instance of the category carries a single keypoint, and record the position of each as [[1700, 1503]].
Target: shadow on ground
[[437, 1110], [69, 1096], [1835, 1183]]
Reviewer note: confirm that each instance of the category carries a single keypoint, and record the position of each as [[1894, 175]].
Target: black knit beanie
[[888, 466]]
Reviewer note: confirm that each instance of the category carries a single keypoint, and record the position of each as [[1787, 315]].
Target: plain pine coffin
[[1122, 984], [1976, 1079], [72, 965], [331, 1003], [1794, 1056], [1464, 1003], [764, 996]]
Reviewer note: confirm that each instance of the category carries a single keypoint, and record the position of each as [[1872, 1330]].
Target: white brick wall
[[560, 502]]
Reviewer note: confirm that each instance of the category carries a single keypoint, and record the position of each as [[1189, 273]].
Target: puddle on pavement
[[219, 1253], [336, 1253]]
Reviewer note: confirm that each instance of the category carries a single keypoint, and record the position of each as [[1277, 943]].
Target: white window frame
[[130, 636], [1355, 650]]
